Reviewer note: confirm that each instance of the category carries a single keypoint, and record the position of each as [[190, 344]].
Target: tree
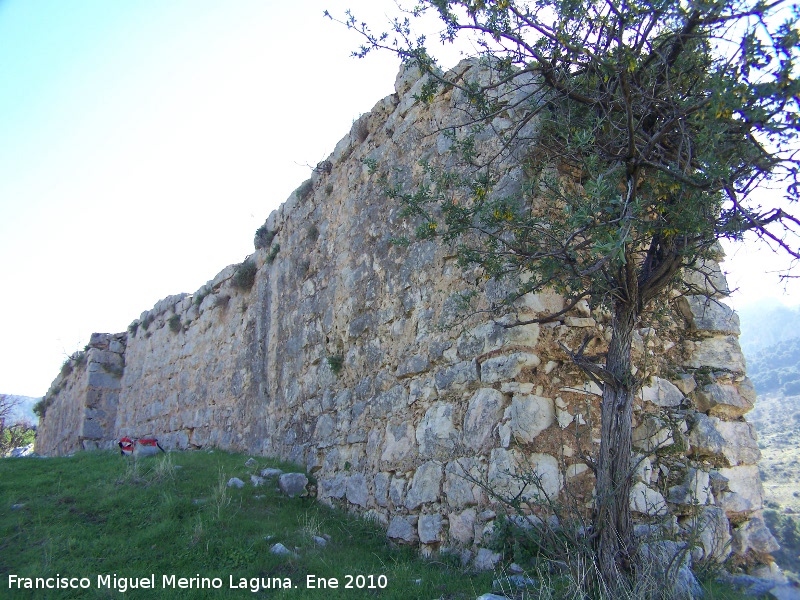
[[12, 434], [655, 122]]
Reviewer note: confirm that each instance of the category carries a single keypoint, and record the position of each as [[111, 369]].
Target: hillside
[[116, 521], [21, 408], [766, 324], [771, 341]]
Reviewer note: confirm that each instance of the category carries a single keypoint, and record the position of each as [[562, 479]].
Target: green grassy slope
[[99, 514]]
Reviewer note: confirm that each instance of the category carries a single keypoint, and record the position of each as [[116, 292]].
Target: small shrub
[[263, 237], [80, 358], [336, 363], [304, 191], [313, 233], [325, 167], [273, 253], [40, 408], [147, 321], [222, 300], [133, 327], [245, 275], [329, 189], [174, 323], [66, 367], [200, 295], [115, 370]]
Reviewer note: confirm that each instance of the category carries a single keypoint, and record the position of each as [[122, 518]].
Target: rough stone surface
[[708, 315], [348, 355], [745, 493], [425, 485], [723, 400], [293, 484], [647, 501], [712, 532], [735, 441], [462, 525], [754, 535], [486, 560], [662, 393], [483, 413], [401, 529], [721, 352], [429, 528], [528, 416]]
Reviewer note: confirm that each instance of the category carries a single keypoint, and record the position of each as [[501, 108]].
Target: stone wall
[[81, 404], [344, 356]]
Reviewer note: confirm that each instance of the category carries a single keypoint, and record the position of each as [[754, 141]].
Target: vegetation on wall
[[263, 237], [244, 275], [174, 323]]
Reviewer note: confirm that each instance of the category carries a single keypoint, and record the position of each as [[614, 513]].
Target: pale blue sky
[[142, 143]]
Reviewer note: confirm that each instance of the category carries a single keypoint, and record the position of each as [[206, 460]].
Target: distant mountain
[[22, 408], [766, 324], [775, 369]]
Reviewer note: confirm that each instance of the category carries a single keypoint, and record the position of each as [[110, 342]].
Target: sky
[[143, 143]]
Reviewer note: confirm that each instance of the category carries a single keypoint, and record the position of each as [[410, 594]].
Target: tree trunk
[[612, 517]]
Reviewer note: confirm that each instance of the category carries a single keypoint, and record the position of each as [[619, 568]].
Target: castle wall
[[348, 355], [81, 404]]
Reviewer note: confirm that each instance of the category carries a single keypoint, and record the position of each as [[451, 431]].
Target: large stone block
[[512, 474], [745, 492], [429, 528], [460, 483], [754, 535], [652, 434], [398, 443], [293, 484], [483, 413], [529, 415], [662, 393], [723, 400], [708, 315], [425, 485], [507, 366], [435, 434], [357, 490], [712, 532], [462, 525], [706, 278], [734, 441], [402, 530], [719, 352], [647, 501], [456, 376]]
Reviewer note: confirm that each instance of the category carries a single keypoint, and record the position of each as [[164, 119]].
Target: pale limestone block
[[429, 528], [529, 415], [647, 501], [425, 485], [462, 525], [723, 400], [719, 352], [435, 433], [708, 315], [652, 434], [402, 530], [481, 417], [662, 393], [507, 366]]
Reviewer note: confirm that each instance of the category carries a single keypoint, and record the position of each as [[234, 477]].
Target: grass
[[98, 514]]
